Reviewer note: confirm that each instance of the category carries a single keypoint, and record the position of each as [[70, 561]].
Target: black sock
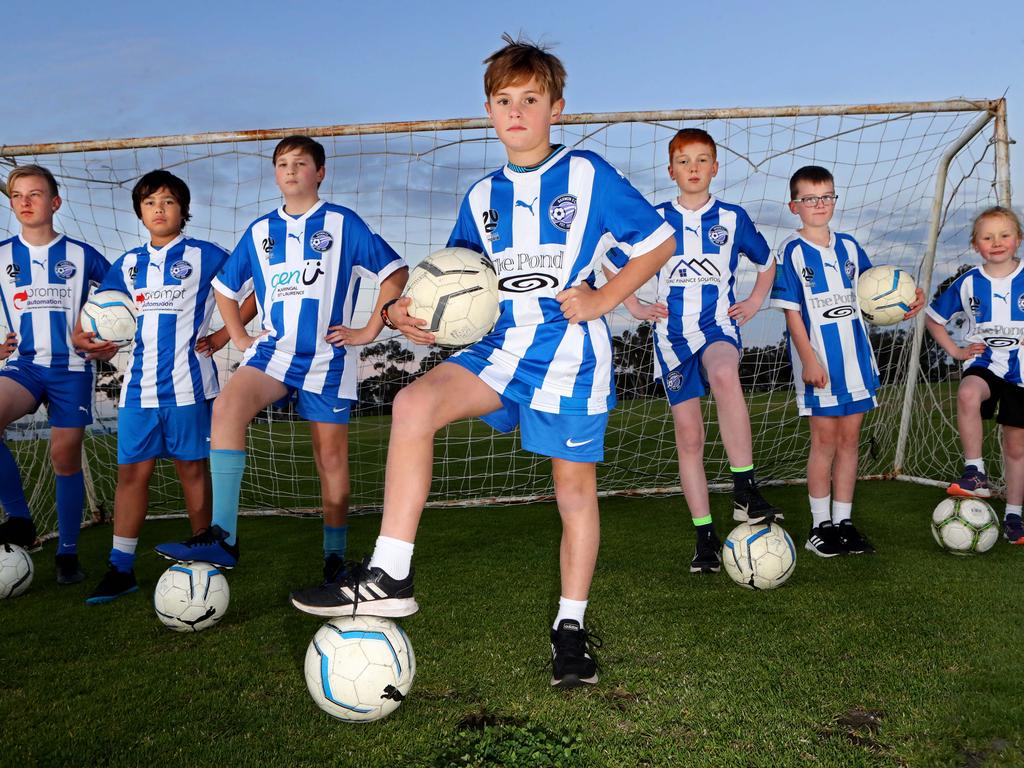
[[742, 480]]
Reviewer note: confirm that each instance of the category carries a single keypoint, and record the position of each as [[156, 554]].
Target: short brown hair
[[23, 171], [311, 147], [812, 174], [991, 213], [521, 60], [691, 136], [153, 182]]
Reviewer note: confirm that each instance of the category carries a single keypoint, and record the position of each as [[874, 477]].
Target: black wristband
[[384, 315]]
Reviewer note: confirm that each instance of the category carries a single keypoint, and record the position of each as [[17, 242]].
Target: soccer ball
[[359, 668], [16, 571], [192, 597], [965, 526], [111, 316], [885, 294], [456, 291], [759, 556]]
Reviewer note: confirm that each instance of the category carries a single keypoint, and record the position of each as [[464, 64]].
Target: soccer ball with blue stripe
[[456, 291], [759, 556], [111, 315], [965, 526], [191, 597], [885, 294], [16, 571], [359, 668]]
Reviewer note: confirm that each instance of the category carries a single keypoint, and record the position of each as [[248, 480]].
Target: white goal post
[[910, 177]]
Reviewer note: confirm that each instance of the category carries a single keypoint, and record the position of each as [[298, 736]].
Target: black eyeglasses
[[813, 200]]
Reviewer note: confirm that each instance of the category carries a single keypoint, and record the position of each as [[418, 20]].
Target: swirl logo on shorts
[[837, 312], [674, 381], [65, 270], [181, 269], [563, 211], [851, 269], [718, 235], [321, 241], [533, 281]]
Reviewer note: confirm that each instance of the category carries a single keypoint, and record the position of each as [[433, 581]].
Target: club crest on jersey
[[563, 211], [674, 381], [181, 269], [718, 235], [851, 269], [321, 241], [1020, 302], [807, 274], [64, 269]]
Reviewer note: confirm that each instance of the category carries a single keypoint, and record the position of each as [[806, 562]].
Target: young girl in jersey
[[992, 297]]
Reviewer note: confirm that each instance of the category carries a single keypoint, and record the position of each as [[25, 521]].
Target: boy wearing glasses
[[834, 368]]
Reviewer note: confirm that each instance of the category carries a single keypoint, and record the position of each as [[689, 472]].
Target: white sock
[[570, 609], [979, 463], [393, 556], [126, 545], [820, 512], [1013, 509], [841, 510]]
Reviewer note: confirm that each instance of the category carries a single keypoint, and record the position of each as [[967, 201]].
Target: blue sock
[[226, 470], [12, 494], [123, 561], [335, 540], [70, 501]]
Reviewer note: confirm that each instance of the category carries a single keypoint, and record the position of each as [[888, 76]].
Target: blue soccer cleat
[[208, 546]]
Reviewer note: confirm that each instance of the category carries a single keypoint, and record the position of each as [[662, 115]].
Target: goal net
[[407, 179]]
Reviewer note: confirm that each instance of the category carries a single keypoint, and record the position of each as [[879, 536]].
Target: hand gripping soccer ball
[[191, 597], [885, 294], [965, 526], [759, 556], [359, 668], [111, 315], [16, 571], [456, 291]]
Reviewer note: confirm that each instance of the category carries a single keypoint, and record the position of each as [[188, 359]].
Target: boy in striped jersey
[[991, 298], [834, 368], [171, 380], [304, 261], [545, 220], [698, 344], [44, 281]]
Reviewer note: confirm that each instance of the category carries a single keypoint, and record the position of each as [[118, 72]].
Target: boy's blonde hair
[[24, 171], [991, 213], [519, 61], [691, 136]]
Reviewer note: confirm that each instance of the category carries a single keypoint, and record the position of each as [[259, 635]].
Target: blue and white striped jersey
[[697, 284], [172, 287], [305, 271], [994, 309], [547, 228], [822, 284], [42, 290]]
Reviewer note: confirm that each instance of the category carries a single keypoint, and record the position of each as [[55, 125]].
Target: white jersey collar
[[300, 219], [699, 212]]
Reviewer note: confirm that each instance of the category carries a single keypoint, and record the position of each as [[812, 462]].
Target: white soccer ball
[[191, 597], [965, 526], [759, 556], [885, 294], [359, 668], [111, 315], [16, 571], [456, 291]]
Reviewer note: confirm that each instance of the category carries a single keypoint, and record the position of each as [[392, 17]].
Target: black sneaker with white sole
[[748, 505], [571, 661], [707, 559], [362, 591], [824, 541], [853, 541]]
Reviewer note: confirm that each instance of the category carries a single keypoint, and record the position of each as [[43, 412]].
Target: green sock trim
[[741, 469], [706, 520]]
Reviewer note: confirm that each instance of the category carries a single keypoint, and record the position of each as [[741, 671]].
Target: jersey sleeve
[[863, 262], [235, 278], [114, 279], [786, 291], [97, 266], [947, 304], [627, 216], [752, 243], [465, 234], [369, 251]]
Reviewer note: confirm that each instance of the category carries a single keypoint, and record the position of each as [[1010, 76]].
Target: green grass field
[[909, 657]]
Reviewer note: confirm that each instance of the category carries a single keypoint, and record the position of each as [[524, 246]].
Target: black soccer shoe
[[20, 531], [748, 505], [335, 568], [113, 585], [823, 540], [706, 559], [853, 541], [363, 591], [571, 661], [69, 571]]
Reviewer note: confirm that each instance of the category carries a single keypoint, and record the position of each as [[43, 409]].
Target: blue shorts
[[569, 436], [179, 432], [312, 406], [67, 394], [688, 379], [846, 409]]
